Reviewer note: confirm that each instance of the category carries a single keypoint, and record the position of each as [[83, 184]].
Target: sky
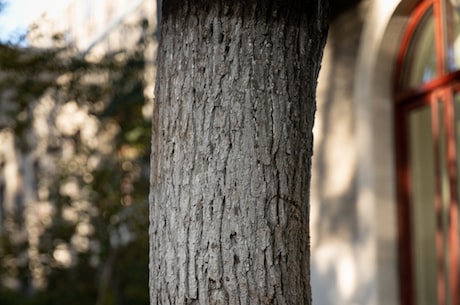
[[18, 14]]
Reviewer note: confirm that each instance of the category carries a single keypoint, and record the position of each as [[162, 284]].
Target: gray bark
[[231, 150]]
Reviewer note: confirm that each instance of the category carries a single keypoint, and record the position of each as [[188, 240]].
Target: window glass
[[445, 200], [457, 142], [452, 20], [423, 216], [420, 63]]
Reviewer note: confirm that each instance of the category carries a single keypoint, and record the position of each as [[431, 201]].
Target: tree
[[231, 151]]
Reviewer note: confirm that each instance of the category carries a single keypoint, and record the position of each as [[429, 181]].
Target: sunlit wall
[[353, 209]]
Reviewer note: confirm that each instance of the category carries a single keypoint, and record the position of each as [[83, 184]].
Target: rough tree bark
[[231, 150]]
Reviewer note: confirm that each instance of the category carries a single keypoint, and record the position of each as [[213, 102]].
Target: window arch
[[427, 94]]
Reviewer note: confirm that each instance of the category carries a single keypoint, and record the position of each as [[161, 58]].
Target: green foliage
[[93, 243]]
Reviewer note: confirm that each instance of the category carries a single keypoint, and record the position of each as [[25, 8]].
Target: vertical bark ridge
[[231, 149]]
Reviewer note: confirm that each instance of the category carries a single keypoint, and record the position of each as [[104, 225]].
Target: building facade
[[95, 26], [384, 211]]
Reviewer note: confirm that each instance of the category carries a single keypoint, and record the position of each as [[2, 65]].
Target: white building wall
[[353, 209], [95, 25]]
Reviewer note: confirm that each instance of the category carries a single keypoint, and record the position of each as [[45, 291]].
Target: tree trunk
[[231, 150]]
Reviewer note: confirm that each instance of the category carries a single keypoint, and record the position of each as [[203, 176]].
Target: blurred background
[[76, 96]]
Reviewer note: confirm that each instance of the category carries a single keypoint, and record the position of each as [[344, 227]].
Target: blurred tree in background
[[74, 166]]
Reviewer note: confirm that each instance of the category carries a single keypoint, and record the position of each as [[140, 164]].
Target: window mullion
[[438, 11]]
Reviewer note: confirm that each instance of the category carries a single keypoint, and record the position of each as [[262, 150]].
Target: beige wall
[[353, 209], [334, 227]]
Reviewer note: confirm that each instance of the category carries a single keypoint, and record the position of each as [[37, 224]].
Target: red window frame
[[443, 87]]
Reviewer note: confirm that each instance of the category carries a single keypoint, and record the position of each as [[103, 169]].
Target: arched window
[[427, 91]]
